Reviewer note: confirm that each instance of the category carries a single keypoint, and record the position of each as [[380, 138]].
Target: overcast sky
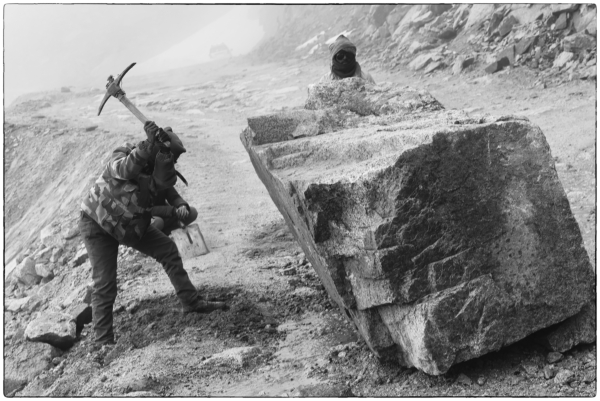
[[47, 46]]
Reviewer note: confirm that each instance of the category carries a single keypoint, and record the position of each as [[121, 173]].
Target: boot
[[205, 307]]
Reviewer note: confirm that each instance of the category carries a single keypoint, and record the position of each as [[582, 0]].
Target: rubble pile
[[47, 300], [557, 41], [442, 235]]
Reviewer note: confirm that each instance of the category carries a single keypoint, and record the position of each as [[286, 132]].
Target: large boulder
[[442, 236], [55, 328]]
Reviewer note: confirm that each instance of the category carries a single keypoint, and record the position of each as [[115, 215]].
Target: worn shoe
[[205, 307]]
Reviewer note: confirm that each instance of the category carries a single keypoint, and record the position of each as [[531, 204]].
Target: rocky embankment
[[556, 41]]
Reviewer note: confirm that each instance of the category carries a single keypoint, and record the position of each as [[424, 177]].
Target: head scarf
[[164, 172], [348, 69], [176, 145]]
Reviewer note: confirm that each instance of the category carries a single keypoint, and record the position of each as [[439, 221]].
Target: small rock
[[578, 43], [56, 253], [464, 379], [561, 22], [72, 233], [233, 357], [141, 394], [529, 368], [132, 307], [55, 328], [554, 357], [481, 380], [43, 255], [433, 66], [525, 44], [80, 257], [549, 372], [288, 272], [564, 376], [420, 62], [50, 236], [324, 391], [57, 360], [25, 272], [43, 270], [506, 25], [589, 377], [81, 313], [497, 65], [461, 63], [562, 59], [508, 53], [14, 305]]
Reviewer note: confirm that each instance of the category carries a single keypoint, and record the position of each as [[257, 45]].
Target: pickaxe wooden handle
[[113, 88]]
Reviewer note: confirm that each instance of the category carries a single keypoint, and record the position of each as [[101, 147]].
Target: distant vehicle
[[220, 51]]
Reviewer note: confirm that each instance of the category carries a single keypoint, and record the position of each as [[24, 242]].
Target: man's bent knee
[[158, 222]]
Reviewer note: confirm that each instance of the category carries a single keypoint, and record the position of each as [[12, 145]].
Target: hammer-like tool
[[113, 89]]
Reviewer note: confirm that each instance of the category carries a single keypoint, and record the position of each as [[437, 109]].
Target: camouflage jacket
[[121, 198]]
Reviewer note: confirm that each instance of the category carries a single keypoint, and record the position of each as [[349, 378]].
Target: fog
[[47, 46]]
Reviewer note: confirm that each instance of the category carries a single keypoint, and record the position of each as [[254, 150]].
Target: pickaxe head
[[113, 88]]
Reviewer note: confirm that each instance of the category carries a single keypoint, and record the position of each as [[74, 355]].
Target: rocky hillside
[[557, 41]]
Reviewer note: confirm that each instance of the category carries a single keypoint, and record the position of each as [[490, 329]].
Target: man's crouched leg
[[156, 244], [103, 251]]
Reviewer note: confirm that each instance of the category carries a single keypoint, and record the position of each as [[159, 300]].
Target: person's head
[[177, 147], [343, 56]]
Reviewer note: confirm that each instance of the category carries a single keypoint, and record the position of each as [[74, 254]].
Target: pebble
[[554, 357], [464, 379], [481, 380], [549, 372], [564, 376]]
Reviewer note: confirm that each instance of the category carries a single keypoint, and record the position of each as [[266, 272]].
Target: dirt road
[[278, 304]]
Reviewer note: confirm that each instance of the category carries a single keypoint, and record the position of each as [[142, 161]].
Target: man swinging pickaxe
[[119, 208]]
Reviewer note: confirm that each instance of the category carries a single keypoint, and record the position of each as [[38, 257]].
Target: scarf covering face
[[164, 174], [343, 70], [176, 145]]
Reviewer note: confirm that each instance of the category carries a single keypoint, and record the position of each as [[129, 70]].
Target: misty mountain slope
[[556, 41], [82, 44]]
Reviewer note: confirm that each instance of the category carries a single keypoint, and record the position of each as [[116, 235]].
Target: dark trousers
[[103, 250]]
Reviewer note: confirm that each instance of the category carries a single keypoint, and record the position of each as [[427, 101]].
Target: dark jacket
[[122, 198]]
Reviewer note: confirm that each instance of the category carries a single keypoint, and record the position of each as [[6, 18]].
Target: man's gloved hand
[[151, 129], [162, 136], [163, 211], [182, 212]]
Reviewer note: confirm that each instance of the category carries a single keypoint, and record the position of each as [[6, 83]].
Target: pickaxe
[[113, 89]]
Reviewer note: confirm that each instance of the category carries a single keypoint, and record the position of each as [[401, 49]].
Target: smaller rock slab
[[54, 328], [233, 357], [25, 272]]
